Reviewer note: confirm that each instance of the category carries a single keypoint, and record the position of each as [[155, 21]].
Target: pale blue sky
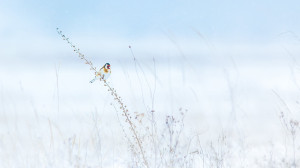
[[249, 20]]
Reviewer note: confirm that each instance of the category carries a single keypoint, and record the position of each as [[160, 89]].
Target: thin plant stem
[[113, 92]]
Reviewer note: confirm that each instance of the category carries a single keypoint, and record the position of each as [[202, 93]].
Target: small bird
[[103, 73]]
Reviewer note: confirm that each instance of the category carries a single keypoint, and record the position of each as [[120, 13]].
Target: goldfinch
[[103, 73]]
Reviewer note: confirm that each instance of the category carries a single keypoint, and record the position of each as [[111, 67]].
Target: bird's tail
[[93, 80]]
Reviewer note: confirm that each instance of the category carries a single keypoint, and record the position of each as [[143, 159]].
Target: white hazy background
[[232, 64]]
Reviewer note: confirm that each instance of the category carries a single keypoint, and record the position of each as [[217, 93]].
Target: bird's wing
[[99, 72], [101, 68]]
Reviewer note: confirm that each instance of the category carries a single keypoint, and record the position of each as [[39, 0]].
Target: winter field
[[191, 103]]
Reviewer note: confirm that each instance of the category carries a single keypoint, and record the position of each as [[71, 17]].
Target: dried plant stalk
[[113, 92]]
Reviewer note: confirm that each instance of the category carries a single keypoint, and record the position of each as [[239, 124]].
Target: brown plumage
[[103, 73]]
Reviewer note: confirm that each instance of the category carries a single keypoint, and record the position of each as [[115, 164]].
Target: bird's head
[[107, 66]]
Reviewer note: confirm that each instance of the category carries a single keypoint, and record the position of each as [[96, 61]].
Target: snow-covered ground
[[51, 116]]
